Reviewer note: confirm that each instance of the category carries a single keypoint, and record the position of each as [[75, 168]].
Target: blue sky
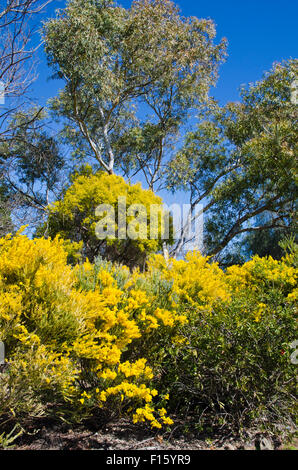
[[259, 32]]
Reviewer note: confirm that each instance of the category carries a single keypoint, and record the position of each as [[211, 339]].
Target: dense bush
[[65, 331], [231, 361], [74, 218], [96, 339]]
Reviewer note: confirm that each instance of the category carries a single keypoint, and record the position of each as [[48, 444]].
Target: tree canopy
[[240, 161], [135, 102], [130, 229], [115, 61]]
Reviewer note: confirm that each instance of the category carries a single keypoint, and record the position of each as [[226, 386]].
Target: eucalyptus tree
[[240, 163], [31, 167], [18, 46], [5, 211], [17, 51], [131, 77]]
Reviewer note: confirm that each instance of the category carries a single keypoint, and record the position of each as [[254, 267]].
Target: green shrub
[[98, 339], [231, 362]]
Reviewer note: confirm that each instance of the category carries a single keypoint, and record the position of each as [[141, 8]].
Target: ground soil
[[123, 435]]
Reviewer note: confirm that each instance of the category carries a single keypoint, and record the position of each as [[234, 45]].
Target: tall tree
[[240, 163], [17, 73], [16, 54], [131, 77], [31, 165], [5, 210], [267, 242]]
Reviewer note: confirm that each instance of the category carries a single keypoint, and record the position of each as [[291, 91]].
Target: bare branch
[[17, 67]]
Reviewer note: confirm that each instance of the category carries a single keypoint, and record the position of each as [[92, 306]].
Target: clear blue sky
[[259, 33]]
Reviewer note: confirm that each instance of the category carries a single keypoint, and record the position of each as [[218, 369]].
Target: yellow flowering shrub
[[74, 217], [230, 363], [263, 271], [184, 335], [65, 339], [196, 282]]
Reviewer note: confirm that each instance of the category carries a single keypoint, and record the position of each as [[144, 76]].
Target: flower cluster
[[147, 413], [66, 328], [100, 337]]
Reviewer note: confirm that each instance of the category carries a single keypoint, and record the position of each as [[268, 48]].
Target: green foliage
[[36, 154], [240, 162], [31, 165], [7, 440], [5, 210], [97, 327], [65, 337], [264, 243], [116, 61], [231, 365], [98, 339]]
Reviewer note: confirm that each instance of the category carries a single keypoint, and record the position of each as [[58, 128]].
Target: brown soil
[[122, 435]]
